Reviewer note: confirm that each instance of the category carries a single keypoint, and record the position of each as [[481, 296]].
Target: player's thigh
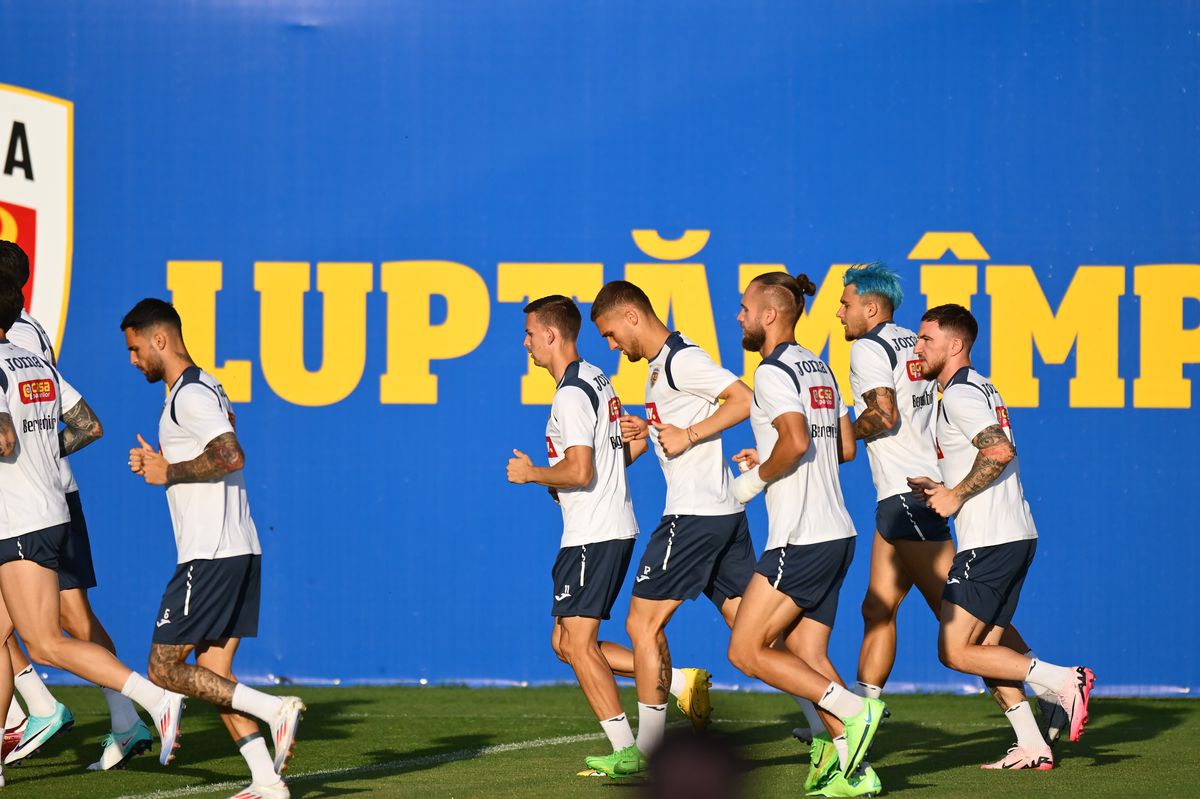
[[927, 563], [889, 582], [958, 628], [217, 656], [31, 593], [764, 615], [74, 610], [809, 640]]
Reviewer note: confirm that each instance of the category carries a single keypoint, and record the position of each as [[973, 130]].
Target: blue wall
[[804, 134]]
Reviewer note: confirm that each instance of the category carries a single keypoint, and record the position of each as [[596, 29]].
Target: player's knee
[[877, 610], [951, 656], [744, 657], [44, 650]]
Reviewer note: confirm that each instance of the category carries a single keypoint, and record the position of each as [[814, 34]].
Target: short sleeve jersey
[[999, 513], [883, 358], [682, 389], [804, 506], [586, 413], [211, 519], [31, 491], [29, 334]]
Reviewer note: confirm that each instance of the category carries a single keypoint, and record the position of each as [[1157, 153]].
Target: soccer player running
[[587, 477], [802, 430], [129, 735], [702, 544], [981, 489], [212, 601], [895, 409], [35, 526]]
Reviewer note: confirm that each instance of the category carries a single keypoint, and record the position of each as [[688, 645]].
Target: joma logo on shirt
[[34, 391], [822, 396], [914, 370]]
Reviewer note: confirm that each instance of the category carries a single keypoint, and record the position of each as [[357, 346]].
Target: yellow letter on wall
[[413, 340], [1166, 345], [344, 289], [194, 286], [1088, 319], [525, 282]]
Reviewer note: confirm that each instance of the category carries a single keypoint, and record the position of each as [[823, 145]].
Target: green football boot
[[860, 731], [823, 761], [864, 782], [627, 762]]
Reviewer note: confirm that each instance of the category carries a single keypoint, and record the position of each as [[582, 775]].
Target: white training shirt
[[211, 519], [681, 390], [31, 491], [999, 513], [29, 334], [804, 506], [883, 358], [586, 413]]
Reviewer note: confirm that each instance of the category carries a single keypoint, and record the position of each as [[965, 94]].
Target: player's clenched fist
[[746, 460], [519, 467], [674, 440], [149, 463], [633, 428], [941, 500]]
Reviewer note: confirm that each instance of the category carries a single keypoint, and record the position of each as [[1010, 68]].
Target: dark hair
[[799, 286], [558, 312], [150, 312], [955, 319], [14, 263], [11, 301], [618, 293]]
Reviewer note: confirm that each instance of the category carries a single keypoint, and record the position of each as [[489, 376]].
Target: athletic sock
[[39, 700], [816, 724], [144, 692], [1043, 674], [843, 751], [867, 691], [1020, 716], [262, 768], [652, 725], [678, 682], [120, 708], [256, 703], [840, 702], [619, 733], [15, 715]]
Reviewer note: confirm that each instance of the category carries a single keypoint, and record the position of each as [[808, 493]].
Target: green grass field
[[462, 742]]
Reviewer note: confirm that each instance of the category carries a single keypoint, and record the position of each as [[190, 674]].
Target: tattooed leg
[[169, 669]]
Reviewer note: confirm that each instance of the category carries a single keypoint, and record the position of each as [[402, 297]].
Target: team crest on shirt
[[550, 451], [614, 409], [1002, 416], [822, 397], [914, 370], [654, 375], [36, 132], [35, 391]]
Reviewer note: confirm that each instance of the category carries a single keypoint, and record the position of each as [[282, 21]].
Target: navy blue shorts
[[588, 578], [211, 600], [903, 518], [75, 569], [986, 581], [43, 547], [811, 574], [690, 555]]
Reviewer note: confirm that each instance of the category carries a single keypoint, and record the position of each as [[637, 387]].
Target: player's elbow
[[8, 443], [1002, 454], [847, 451], [584, 475]]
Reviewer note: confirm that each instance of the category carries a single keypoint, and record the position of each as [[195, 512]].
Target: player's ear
[[159, 338]]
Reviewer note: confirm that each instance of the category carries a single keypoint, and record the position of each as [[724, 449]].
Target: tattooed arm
[[880, 414], [8, 435], [222, 456], [995, 453], [83, 427]]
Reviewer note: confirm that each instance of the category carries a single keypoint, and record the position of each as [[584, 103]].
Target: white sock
[[619, 733], [1020, 716], [867, 691], [124, 714], [262, 768], [816, 725], [677, 681], [15, 715], [39, 700], [144, 692], [843, 751], [256, 703], [652, 725], [840, 702], [1043, 674]]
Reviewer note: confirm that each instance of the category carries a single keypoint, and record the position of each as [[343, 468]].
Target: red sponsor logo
[[914, 370], [614, 409], [1002, 416], [550, 451], [34, 391], [652, 413], [938, 444], [822, 396]]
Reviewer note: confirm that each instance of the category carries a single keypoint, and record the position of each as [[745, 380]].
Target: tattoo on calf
[[664, 671], [168, 667]]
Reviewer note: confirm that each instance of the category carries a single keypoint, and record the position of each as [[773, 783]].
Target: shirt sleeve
[[775, 393], [870, 367], [199, 412], [693, 371], [968, 410], [576, 418], [68, 396]]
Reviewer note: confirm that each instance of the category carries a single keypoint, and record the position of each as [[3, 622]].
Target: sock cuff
[[652, 707], [251, 738], [27, 670], [619, 717]]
